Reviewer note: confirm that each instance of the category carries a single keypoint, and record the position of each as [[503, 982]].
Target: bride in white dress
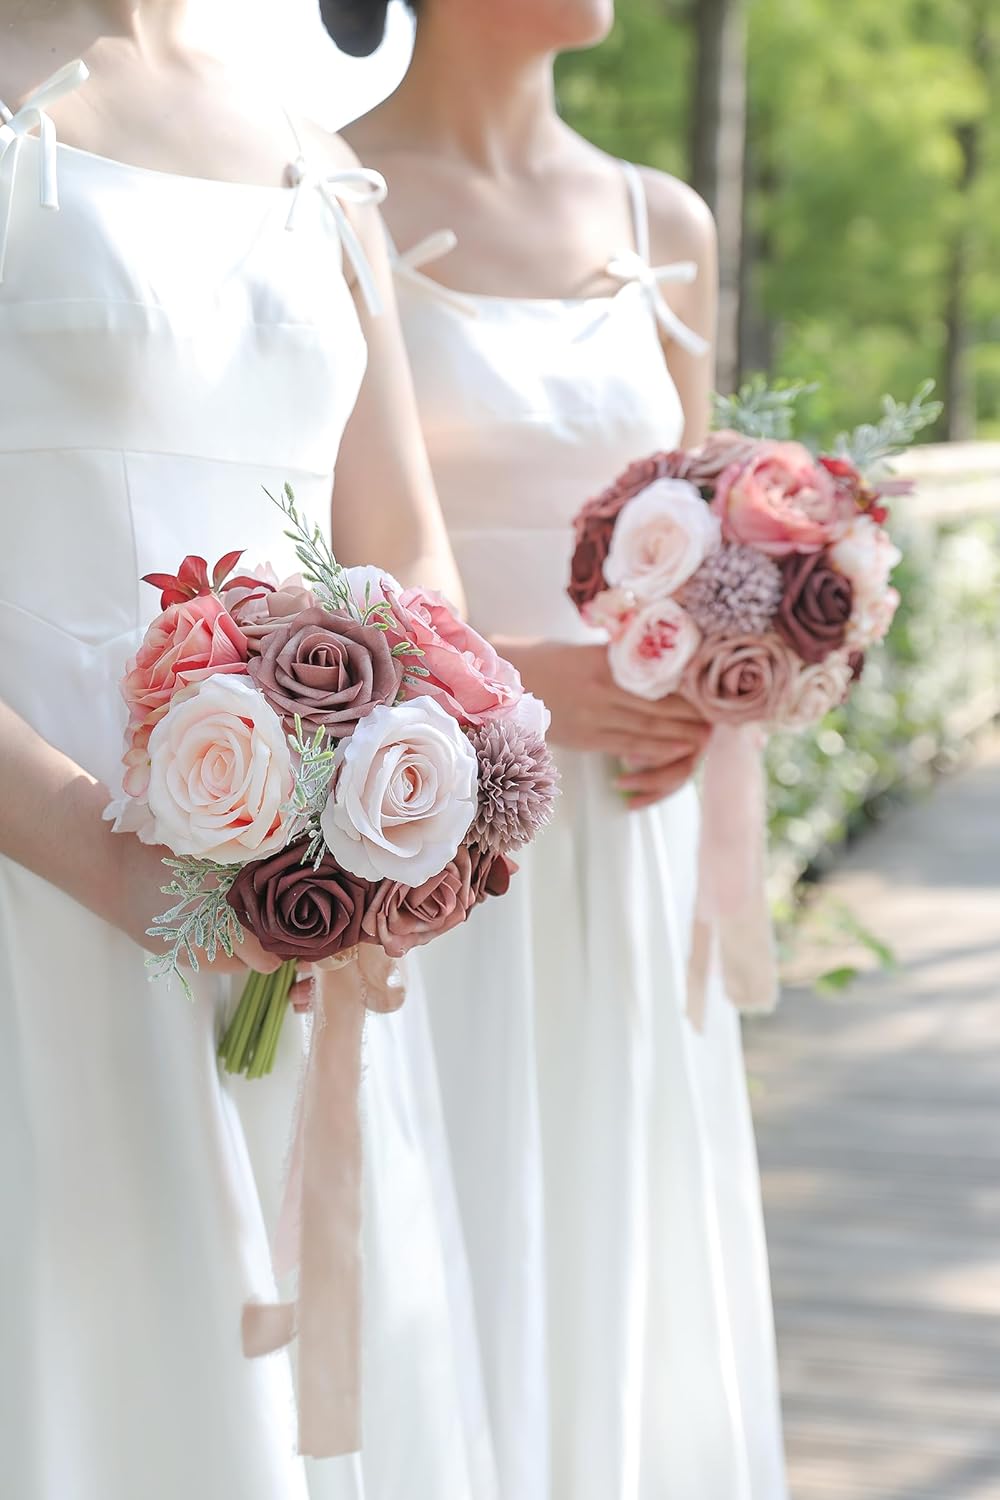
[[603, 1149], [172, 339]]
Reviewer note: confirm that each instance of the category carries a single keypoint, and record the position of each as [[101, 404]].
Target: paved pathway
[[879, 1127]]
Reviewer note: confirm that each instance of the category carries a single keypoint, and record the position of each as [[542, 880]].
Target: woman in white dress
[[175, 336], [603, 1148]]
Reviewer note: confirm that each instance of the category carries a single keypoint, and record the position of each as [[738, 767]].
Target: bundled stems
[[250, 1043]]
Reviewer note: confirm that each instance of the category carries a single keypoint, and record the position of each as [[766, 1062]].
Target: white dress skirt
[[603, 1149], [169, 348]]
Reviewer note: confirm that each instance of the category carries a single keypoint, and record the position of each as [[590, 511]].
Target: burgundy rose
[[816, 606], [296, 911], [596, 523], [327, 668], [401, 917]]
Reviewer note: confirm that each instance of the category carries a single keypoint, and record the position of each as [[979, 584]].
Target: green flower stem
[[237, 1034], [265, 1052]]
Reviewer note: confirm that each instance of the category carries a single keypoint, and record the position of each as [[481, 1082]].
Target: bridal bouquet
[[751, 576], [332, 761]]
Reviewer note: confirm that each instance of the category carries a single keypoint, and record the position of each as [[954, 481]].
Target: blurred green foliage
[[855, 170]]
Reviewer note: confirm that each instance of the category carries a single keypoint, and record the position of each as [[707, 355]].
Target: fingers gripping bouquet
[[751, 576], [344, 769]]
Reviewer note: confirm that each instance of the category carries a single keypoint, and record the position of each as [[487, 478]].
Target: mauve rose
[[401, 917], [739, 680], [297, 911], [720, 450], [465, 675], [595, 524], [780, 501], [273, 606], [328, 669], [816, 605]]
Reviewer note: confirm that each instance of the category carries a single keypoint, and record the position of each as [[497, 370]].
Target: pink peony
[[660, 539], [185, 644], [464, 673], [781, 501], [649, 657]]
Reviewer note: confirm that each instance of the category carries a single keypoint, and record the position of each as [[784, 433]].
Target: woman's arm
[[385, 506], [681, 227], [51, 822]]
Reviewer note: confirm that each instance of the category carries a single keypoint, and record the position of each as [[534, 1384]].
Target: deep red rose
[[296, 911]]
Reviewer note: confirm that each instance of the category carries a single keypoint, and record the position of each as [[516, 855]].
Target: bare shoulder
[[326, 148], [681, 225]]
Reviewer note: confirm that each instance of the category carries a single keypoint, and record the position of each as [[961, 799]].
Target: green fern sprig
[[201, 921], [319, 566], [870, 446]]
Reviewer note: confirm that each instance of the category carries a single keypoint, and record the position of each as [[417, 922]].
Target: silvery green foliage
[[759, 410], [871, 445], [320, 568], [313, 773], [200, 920]]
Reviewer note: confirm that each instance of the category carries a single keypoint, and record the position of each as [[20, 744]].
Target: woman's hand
[[659, 743]]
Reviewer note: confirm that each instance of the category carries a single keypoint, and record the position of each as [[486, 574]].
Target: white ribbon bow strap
[[358, 185], [31, 116], [631, 267]]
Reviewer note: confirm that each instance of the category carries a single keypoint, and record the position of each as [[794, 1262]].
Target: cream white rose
[[814, 691], [370, 585], [660, 539], [650, 655], [404, 794], [220, 773], [866, 554]]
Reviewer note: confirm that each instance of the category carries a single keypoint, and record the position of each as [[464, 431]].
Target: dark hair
[[357, 26]]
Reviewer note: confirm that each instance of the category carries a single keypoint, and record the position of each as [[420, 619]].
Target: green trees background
[[870, 183]]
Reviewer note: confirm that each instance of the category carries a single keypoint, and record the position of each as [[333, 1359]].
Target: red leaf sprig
[[191, 580]]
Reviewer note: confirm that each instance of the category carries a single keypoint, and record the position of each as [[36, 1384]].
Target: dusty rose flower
[[464, 674], [867, 555], [661, 537], [650, 655], [220, 773], [814, 691], [297, 911], [736, 591], [517, 787], [188, 642], [327, 668], [738, 680], [404, 794], [258, 611], [780, 501], [815, 609], [595, 524], [491, 874], [720, 450], [400, 917]]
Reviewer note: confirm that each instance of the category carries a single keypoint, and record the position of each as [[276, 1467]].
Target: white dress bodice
[[171, 345], [530, 407]]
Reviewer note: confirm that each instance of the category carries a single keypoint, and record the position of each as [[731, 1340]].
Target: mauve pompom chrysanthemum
[[736, 591], [518, 784]]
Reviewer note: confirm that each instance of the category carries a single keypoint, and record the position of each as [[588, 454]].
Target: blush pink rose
[[660, 539], [650, 655], [220, 773], [185, 644], [866, 555], [816, 690], [464, 673], [781, 501]]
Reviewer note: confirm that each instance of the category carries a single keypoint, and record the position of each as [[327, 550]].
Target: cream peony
[[220, 773], [660, 539], [866, 554], [815, 691], [650, 656], [404, 794]]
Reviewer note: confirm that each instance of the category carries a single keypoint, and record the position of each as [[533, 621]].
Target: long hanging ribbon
[[319, 1230], [731, 912]]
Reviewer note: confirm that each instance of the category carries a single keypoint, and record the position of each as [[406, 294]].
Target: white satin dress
[[603, 1149], [168, 348]]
